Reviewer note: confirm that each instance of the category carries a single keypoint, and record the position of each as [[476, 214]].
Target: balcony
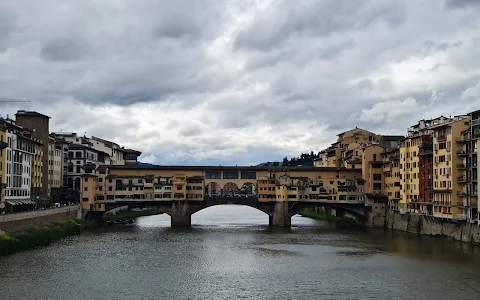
[[461, 194], [475, 122], [461, 179], [442, 138], [464, 139], [3, 145], [461, 166], [461, 217], [461, 153]]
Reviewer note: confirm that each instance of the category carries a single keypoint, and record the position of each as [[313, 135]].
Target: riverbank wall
[[17, 222], [428, 225]]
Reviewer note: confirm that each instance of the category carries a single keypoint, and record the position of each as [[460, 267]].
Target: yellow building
[[133, 183], [372, 169], [3, 165], [391, 172], [449, 170], [37, 174], [409, 172]]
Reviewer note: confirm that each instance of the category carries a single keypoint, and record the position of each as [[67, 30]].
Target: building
[[416, 173], [3, 164], [372, 169], [391, 173], [19, 154], [425, 160], [469, 141], [81, 160], [449, 183], [116, 153], [57, 171], [180, 183], [37, 175], [38, 124], [423, 126], [390, 142]]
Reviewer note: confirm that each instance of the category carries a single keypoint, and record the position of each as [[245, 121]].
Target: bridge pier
[[180, 214], [280, 216]]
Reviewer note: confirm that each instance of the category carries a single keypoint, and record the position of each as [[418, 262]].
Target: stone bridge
[[279, 212]]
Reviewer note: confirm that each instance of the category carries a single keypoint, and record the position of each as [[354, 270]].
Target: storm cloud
[[241, 81]]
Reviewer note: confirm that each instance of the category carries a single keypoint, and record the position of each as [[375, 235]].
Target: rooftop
[[30, 113], [220, 168], [392, 137]]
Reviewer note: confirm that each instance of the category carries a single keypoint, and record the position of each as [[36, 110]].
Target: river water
[[231, 253]]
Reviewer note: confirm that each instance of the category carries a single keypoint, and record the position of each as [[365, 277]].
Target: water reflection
[[231, 253]]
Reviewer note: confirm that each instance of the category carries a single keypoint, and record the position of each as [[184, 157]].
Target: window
[[100, 179], [377, 176], [86, 188], [212, 175], [85, 179], [110, 188], [248, 175], [230, 175], [85, 199]]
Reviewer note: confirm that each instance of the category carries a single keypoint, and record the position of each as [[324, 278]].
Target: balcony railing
[[475, 122], [461, 153], [3, 145], [464, 138], [461, 193], [461, 166], [441, 138], [461, 179], [461, 217]]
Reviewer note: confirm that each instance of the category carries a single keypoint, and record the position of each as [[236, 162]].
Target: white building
[[19, 155]]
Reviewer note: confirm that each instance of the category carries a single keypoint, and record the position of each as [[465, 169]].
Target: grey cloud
[[462, 3], [298, 72], [314, 18], [190, 131], [8, 25], [65, 49]]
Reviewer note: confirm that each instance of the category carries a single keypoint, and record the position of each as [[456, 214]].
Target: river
[[231, 253]]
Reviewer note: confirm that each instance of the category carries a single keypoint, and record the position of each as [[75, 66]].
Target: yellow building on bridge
[[111, 184]]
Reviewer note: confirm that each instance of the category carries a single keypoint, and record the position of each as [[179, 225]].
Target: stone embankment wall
[[428, 225], [12, 223]]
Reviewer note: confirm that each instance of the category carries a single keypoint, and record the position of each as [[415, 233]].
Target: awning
[[20, 202]]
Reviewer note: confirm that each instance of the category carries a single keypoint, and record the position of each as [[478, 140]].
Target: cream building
[[449, 171]]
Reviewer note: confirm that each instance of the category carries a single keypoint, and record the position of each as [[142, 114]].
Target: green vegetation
[[340, 222], [304, 159], [130, 215], [41, 236]]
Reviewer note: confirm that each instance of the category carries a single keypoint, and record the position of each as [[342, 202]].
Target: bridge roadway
[[279, 212]]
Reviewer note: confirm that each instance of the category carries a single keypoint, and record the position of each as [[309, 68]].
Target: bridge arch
[[213, 189], [248, 188], [230, 188]]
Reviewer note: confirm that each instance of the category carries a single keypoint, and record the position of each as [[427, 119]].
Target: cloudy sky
[[238, 81]]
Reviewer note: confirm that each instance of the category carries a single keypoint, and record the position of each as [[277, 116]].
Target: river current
[[231, 253]]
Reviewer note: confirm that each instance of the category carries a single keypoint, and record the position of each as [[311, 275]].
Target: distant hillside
[[144, 164]]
